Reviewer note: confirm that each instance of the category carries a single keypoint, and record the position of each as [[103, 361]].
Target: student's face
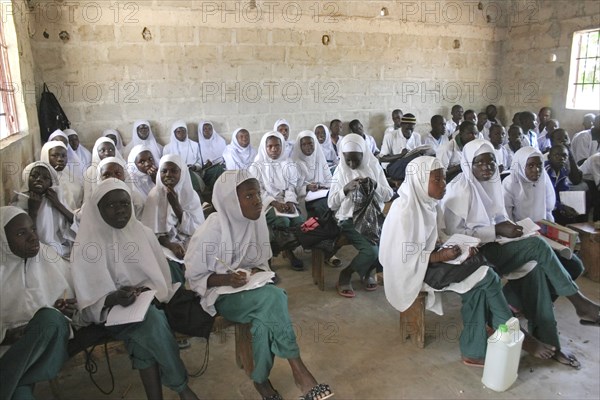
[[437, 184], [438, 127], [320, 134], [558, 157], [74, 141], [112, 170], [471, 117], [491, 112], [561, 137], [336, 128], [170, 174], [284, 130], [144, 161], [106, 150], [468, 135], [181, 134], [457, 113], [407, 130], [115, 208], [588, 123], [529, 122], [484, 166], [243, 138], [516, 120], [307, 145], [533, 168], [551, 125], [497, 136], [359, 129], [22, 237], [39, 180], [397, 118], [58, 158], [113, 138], [353, 159], [273, 147], [248, 193], [61, 139], [207, 131], [514, 137], [143, 131], [544, 116], [482, 119]]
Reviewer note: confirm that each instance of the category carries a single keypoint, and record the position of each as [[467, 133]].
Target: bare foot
[[566, 358], [586, 309], [187, 394], [302, 377], [538, 349], [265, 389]]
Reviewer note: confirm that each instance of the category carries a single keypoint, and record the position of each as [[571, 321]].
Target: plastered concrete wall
[[528, 76]]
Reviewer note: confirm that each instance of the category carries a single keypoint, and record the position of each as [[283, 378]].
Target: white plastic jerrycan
[[502, 356]]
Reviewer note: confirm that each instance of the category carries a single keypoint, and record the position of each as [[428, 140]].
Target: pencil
[[226, 265]]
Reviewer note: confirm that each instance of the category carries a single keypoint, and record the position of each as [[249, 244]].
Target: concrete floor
[[355, 346]]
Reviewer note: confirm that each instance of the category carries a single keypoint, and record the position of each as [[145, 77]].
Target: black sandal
[[275, 396], [321, 391]]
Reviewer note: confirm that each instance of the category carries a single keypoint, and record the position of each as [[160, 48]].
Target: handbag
[[440, 274], [367, 216]]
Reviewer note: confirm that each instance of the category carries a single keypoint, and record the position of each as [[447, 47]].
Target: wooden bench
[[243, 349], [590, 248], [412, 321], [318, 261]]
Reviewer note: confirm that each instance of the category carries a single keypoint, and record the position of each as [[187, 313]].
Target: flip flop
[[297, 265], [345, 290], [322, 391], [370, 284], [473, 362], [334, 262], [587, 322], [569, 360]]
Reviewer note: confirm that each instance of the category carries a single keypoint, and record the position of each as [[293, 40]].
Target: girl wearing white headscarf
[[474, 206], [407, 249], [358, 165], [127, 259], [212, 146], [142, 135], [236, 155], [142, 168], [236, 237], [74, 163], [327, 146], [278, 178], [173, 211], [34, 279], [41, 196], [71, 183], [105, 171], [283, 127], [84, 154], [104, 147], [115, 136], [186, 148]]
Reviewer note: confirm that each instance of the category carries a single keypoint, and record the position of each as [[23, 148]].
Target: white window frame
[[582, 94]]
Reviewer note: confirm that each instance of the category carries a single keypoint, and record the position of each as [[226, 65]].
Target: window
[[584, 76], [9, 123]]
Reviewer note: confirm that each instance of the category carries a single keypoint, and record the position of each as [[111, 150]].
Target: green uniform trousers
[[367, 252]]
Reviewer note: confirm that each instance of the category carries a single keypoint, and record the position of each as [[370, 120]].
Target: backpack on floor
[[50, 115]]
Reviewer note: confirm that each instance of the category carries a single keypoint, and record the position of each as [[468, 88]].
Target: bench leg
[[243, 348], [318, 272], [55, 388], [412, 321]]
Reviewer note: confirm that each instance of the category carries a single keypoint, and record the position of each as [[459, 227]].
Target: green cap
[[503, 328]]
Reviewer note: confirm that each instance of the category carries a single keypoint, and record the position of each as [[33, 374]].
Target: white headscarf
[[330, 154], [313, 168], [155, 148], [278, 178], [27, 285], [187, 150], [141, 181], [158, 214], [107, 258], [477, 203], [91, 180], [210, 149], [236, 156], [73, 161], [288, 144], [369, 166], [70, 182], [84, 154], [119, 145], [228, 235], [534, 200]]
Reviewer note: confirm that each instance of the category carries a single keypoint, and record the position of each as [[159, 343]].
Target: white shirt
[[435, 143], [583, 146]]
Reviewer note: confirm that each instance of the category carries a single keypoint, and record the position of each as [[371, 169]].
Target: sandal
[[473, 362], [275, 396], [345, 290], [321, 391], [334, 262], [567, 359], [370, 284]]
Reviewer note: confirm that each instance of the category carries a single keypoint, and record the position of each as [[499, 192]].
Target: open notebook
[[119, 315]]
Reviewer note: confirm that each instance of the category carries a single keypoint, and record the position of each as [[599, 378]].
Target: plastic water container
[[502, 356]]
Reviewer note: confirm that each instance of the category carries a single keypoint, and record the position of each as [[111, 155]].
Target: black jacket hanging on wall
[[50, 115]]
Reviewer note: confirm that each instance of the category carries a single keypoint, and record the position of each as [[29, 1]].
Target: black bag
[[50, 115], [318, 229], [186, 315], [367, 216], [439, 275]]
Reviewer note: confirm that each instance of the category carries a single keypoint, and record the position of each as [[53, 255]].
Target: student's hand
[[178, 250], [290, 207], [67, 306], [207, 164], [237, 279], [351, 186], [52, 197], [568, 212], [278, 206], [152, 172], [403, 152], [173, 199], [473, 251], [124, 297], [312, 187], [448, 253], [509, 230]]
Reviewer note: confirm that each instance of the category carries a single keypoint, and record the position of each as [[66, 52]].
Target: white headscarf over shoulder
[[141, 181], [91, 180], [84, 154], [187, 150], [74, 162], [313, 168], [155, 148], [108, 258], [330, 154], [210, 149], [236, 156], [70, 182], [288, 144], [119, 145]]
